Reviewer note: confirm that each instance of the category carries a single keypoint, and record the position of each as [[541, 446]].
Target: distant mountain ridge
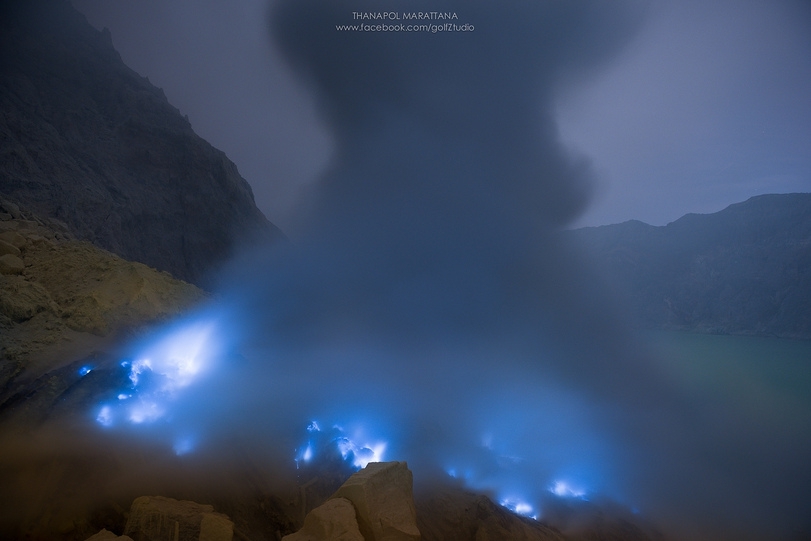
[[743, 270], [89, 142]]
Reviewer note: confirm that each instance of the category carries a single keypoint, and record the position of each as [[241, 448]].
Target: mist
[[429, 302]]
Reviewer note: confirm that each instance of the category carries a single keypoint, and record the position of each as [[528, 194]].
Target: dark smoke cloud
[[431, 295]]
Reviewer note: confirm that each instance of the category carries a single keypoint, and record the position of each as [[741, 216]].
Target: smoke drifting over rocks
[[430, 298]]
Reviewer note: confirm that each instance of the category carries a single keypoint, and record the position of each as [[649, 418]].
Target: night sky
[[704, 105]]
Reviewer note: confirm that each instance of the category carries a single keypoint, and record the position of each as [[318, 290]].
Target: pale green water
[[742, 363], [746, 458], [749, 385]]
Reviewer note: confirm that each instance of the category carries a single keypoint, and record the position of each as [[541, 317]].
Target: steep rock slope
[[86, 140], [743, 270], [63, 301]]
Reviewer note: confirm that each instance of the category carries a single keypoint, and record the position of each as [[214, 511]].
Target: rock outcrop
[[107, 535], [450, 512], [89, 142], [382, 502], [71, 302], [69, 291], [335, 520], [155, 518]]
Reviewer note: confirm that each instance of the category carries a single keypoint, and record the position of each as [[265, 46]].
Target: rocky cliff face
[[89, 142], [743, 270]]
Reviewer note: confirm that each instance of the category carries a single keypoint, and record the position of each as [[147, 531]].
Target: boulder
[[20, 299], [107, 535], [382, 494], [8, 248], [155, 518], [13, 237], [11, 264], [335, 520]]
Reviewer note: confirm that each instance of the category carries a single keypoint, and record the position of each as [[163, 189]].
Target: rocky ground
[[62, 299], [65, 304]]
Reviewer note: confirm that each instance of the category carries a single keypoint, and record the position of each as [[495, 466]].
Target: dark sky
[[706, 105]]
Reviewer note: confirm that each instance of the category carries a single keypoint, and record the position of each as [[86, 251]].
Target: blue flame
[[161, 372], [519, 507], [356, 450], [562, 489], [105, 416]]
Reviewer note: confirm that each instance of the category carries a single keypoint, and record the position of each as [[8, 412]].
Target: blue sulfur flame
[[162, 374], [356, 450], [105, 416], [562, 489], [519, 507]]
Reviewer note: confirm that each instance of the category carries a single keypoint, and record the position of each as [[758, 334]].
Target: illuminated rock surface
[[154, 518], [382, 495], [374, 504], [453, 513], [70, 302], [107, 535], [334, 520]]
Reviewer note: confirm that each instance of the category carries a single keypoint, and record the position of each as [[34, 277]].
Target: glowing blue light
[[85, 370], [362, 454], [105, 416], [145, 412], [138, 367], [356, 450], [563, 490], [183, 446], [163, 368], [519, 507], [305, 455]]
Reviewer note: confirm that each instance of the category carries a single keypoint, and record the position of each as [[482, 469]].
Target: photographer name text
[[406, 16]]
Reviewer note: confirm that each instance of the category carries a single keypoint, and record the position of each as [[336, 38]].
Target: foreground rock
[[382, 502], [155, 518], [335, 520], [107, 535]]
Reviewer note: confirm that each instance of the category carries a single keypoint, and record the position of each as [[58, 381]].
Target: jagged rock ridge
[[86, 140], [743, 270]]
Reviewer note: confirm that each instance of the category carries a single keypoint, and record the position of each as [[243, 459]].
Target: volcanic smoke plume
[[429, 296]]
